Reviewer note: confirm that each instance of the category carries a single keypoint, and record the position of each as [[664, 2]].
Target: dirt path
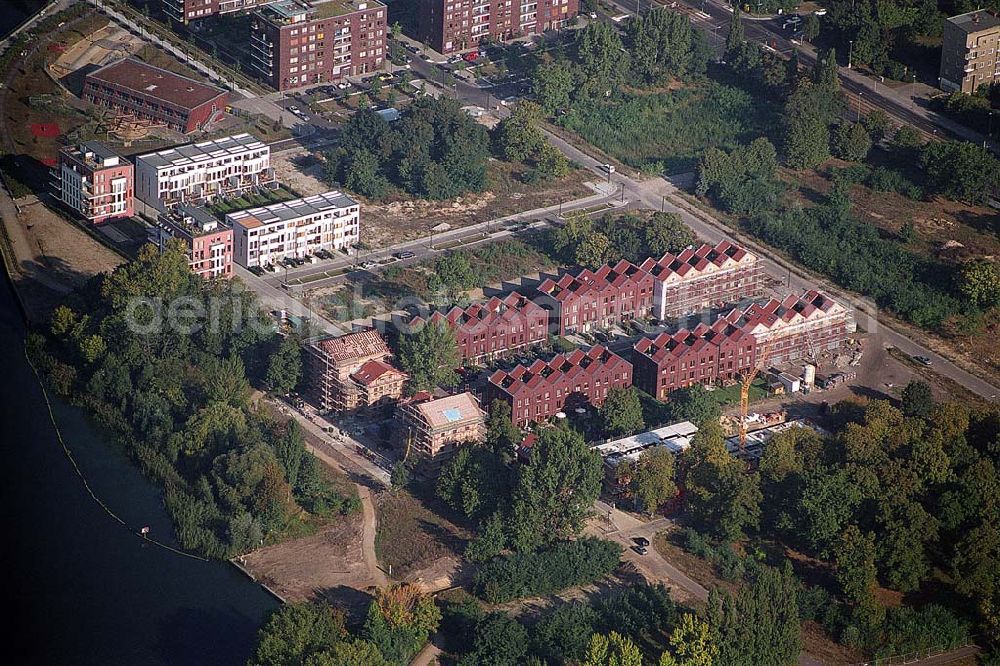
[[368, 537]]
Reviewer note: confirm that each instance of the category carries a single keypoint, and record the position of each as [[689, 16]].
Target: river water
[[82, 588], [15, 11]]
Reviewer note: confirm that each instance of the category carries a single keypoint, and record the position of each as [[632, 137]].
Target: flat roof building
[[209, 242], [969, 45], [296, 228], [201, 172], [457, 25], [94, 181], [155, 95], [294, 43], [436, 428]]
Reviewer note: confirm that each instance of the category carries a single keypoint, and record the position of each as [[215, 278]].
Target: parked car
[[406, 254], [923, 360], [642, 550], [608, 168], [792, 21], [343, 85], [642, 541], [820, 12], [471, 56]]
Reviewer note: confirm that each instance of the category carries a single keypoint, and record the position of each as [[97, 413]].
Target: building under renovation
[[352, 371]]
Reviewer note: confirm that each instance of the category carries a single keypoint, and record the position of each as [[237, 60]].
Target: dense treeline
[[546, 571], [399, 620], [435, 150], [162, 359], [586, 242]]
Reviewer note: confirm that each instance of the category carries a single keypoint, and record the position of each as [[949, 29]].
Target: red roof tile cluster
[[693, 261], [569, 366], [618, 276], [371, 371], [157, 83], [484, 316], [354, 346], [688, 340], [811, 303]]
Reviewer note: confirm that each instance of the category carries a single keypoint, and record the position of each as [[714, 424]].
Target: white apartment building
[[199, 172], [296, 228], [94, 181]]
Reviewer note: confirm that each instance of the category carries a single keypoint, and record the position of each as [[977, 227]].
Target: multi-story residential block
[[154, 95], [94, 181], [796, 327], [598, 299], [540, 390], [485, 331], [700, 278], [434, 429], [209, 242], [457, 25], [970, 51], [185, 11], [199, 172], [703, 355], [296, 228], [351, 371], [294, 43]]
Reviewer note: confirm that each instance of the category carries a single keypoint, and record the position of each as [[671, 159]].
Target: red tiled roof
[[694, 260], [354, 346], [149, 81], [809, 304], [576, 362], [371, 371]]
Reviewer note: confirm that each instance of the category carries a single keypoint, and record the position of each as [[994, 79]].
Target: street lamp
[[850, 53], [859, 106]]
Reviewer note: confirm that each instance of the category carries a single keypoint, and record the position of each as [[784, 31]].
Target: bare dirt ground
[[327, 565], [302, 173]]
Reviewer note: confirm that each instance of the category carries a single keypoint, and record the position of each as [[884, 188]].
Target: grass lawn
[[412, 536], [730, 395], [668, 131]]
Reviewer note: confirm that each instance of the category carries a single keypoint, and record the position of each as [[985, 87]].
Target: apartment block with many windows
[[294, 43], [296, 228], [200, 172], [459, 25], [969, 51], [94, 181], [209, 242], [538, 391], [185, 11]]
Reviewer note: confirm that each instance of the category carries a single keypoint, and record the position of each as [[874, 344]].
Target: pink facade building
[[94, 181], [209, 242]]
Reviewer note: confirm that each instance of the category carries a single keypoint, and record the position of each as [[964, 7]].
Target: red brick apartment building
[[209, 242], [542, 389], [487, 330], [351, 371], [457, 25], [155, 95], [598, 299], [184, 11], [699, 278], [701, 356], [94, 181], [796, 327], [294, 43]]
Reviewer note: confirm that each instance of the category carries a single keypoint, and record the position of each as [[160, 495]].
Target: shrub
[[909, 630], [547, 571]]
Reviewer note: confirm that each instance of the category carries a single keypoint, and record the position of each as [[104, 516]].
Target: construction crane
[[745, 383]]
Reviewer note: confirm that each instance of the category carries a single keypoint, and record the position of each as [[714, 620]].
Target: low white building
[[199, 172], [296, 228], [675, 437]]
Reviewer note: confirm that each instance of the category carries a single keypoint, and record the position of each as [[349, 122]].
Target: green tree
[[594, 251], [720, 494], [979, 281], [554, 490], [694, 404], [502, 436], [551, 163], [621, 412], [653, 480], [499, 640], [294, 632], [665, 232], [602, 62], [691, 644], [364, 176], [736, 37], [917, 399], [960, 170], [826, 73], [552, 84], [430, 357], [517, 136], [811, 28], [612, 650], [850, 141], [761, 625], [284, 369], [565, 632], [489, 542]]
